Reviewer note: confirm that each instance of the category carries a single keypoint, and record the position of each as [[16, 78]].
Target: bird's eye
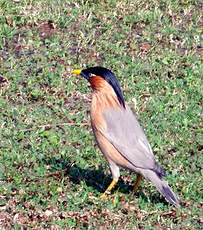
[[92, 75]]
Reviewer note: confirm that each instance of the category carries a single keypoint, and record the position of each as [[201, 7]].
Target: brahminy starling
[[119, 135]]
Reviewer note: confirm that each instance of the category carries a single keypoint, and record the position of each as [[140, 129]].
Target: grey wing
[[126, 135]]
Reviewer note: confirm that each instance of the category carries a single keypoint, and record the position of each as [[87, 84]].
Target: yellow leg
[[137, 182], [113, 183]]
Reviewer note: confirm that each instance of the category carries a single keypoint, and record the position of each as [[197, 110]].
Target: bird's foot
[[110, 187]]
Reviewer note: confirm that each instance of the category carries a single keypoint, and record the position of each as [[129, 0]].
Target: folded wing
[[126, 135]]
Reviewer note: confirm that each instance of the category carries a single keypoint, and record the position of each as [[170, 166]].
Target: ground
[[51, 172]]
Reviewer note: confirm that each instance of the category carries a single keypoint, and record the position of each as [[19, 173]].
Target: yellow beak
[[76, 71]]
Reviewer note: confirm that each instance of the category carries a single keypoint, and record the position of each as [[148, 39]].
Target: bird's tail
[[162, 186]]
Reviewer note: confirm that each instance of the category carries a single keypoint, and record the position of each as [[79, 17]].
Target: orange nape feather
[[104, 96], [97, 82]]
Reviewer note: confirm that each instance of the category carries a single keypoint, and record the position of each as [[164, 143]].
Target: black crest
[[108, 76]]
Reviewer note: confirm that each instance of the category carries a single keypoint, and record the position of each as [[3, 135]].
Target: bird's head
[[97, 75]]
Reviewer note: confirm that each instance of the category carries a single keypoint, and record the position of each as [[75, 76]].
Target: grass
[[51, 172]]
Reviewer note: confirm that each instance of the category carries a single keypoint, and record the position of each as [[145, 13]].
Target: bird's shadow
[[98, 180], [92, 177]]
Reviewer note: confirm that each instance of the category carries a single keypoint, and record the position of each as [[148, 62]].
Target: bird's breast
[[98, 123]]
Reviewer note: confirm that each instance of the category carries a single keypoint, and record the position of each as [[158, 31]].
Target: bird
[[119, 135]]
